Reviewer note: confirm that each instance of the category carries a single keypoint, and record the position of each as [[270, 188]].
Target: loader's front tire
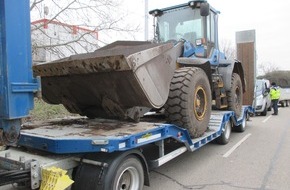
[[235, 95], [189, 100]]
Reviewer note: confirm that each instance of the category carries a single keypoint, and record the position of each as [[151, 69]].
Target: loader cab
[[195, 22]]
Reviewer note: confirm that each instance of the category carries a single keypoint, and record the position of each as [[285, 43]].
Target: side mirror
[[266, 92], [204, 9]]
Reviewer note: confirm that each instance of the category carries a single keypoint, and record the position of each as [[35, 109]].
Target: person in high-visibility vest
[[275, 95]]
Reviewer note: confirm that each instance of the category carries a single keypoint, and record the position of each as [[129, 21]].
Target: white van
[[262, 100]]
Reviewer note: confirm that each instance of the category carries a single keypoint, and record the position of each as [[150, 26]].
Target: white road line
[[265, 120], [228, 153]]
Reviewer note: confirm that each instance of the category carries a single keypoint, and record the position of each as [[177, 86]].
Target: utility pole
[[146, 20]]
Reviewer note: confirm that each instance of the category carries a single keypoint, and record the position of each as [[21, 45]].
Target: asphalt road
[[260, 162], [258, 159]]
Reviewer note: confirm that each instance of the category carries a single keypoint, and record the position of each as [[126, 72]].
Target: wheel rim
[[200, 103], [129, 179], [227, 131]]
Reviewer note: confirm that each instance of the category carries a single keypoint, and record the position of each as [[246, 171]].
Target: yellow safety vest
[[274, 93]]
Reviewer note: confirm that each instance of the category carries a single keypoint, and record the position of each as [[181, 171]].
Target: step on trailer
[[98, 155]]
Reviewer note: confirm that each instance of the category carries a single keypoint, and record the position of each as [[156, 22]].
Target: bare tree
[[267, 67], [97, 16], [228, 48], [269, 71]]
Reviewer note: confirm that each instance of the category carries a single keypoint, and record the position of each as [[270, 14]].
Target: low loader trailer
[[103, 153], [141, 104]]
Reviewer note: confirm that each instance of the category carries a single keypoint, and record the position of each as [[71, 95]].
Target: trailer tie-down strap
[[14, 176]]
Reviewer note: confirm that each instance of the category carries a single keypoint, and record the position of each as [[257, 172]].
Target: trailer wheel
[[242, 127], [189, 100], [126, 173], [129, 175], [235, 95], [224, 138]]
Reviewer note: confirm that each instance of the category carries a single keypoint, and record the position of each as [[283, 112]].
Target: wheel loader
[[181, 73]]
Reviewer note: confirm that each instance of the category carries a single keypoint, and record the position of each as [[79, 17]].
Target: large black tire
[[129, 175], [189, 101], [235, 95], [126, 173]]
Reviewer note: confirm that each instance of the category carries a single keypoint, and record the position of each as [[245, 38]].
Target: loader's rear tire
[[189, 100], [235, 95]]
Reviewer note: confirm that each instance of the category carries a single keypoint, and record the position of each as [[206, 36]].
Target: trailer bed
[[79, 135]]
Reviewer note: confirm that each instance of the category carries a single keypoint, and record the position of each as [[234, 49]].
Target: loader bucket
[[111, 80]]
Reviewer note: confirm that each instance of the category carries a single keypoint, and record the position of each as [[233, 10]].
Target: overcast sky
[[270, 20]]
